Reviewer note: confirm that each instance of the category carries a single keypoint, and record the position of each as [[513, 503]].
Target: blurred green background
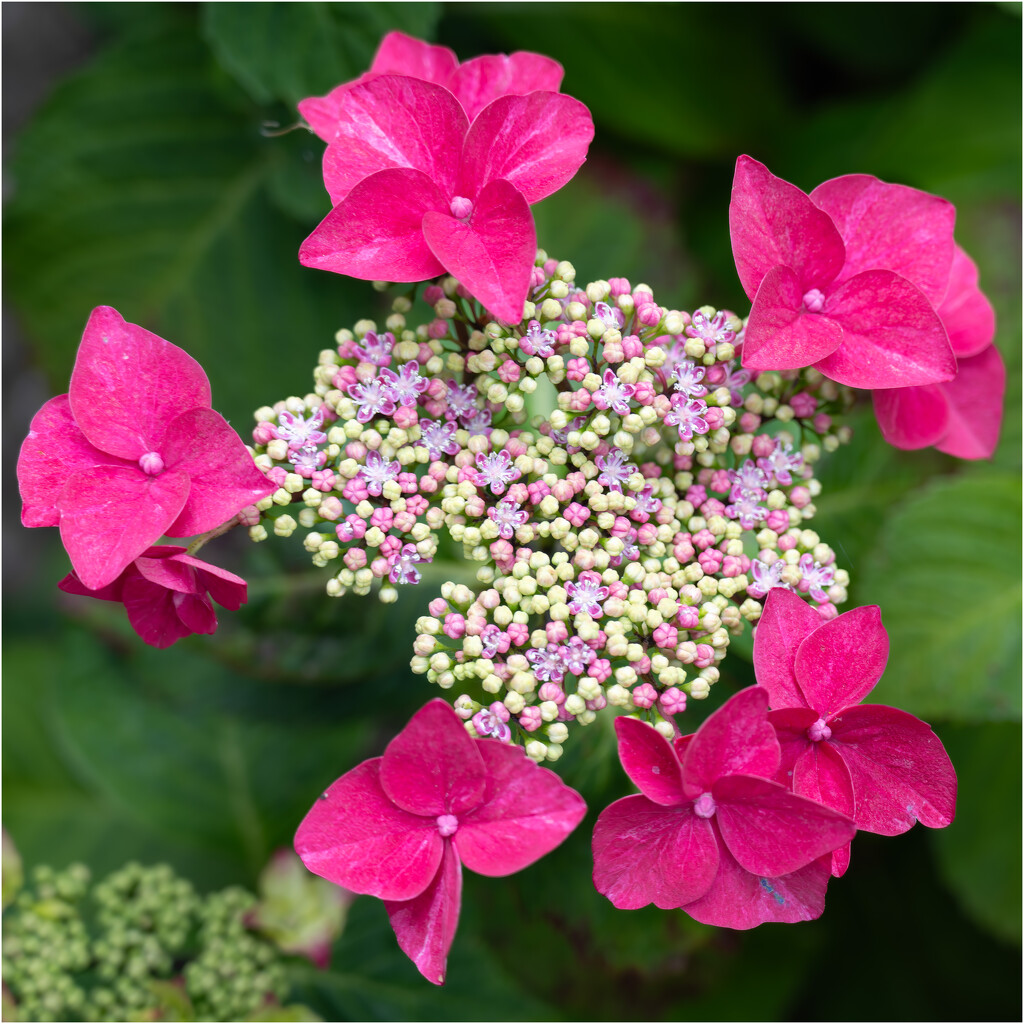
[[143, 180]]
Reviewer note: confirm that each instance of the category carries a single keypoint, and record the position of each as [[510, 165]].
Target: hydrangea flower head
[[419, 190], [847, 279], [402, 826], [167, 594], [883, 767], [131, 453], [709, 832]]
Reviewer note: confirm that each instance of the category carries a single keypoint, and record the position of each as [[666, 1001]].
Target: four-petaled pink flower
[[884, 768], [418, 190], [131, 453], [166, 593], [710, 833], [961, 417], [846, 280], [613, 394], [401, 826]]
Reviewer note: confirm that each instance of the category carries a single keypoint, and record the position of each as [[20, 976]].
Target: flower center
[[704, 806], [461, 207], [814, 301], [151, 464], [447, 824], [819, 731]]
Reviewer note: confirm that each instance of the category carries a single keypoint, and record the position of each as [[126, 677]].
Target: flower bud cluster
[[114, 950], [628, 494]]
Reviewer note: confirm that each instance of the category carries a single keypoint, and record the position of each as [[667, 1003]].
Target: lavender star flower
[[508, 517], [376, 348], [479, 423], [586, 594], [614, 394], [782, 463], [746, 509], [462, 400], [495, 471], [537, 341], [487, 723], [610, 316], [374, 398], [766, 577], [712, 331], [688, 416], [299, 432], [749, 478], [491, 637], [815, 578], [576, 656], [438, 437], [615, 470], [735, 381], [547, 663], [407, 385], [688, 376], [307, 460], [403, 568], [646, 503], [378, 471]]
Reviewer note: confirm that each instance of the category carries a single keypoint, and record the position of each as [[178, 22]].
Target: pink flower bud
[[644, 695], [777, 520]]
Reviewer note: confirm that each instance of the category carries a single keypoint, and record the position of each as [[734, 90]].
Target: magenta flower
[[883, 767], [131, 453], [961, 417], [846, 280], [166, 593], [710, 833], [474, 84], [418, 190], [400, 827]]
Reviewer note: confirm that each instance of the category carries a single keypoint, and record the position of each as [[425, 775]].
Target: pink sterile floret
[[961, 417], [166, 593], [847, 279], [418, 190], [401, 826], [131, 453], [709, 832], [883, 767]]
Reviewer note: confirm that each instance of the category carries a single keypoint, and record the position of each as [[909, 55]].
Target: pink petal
[[891, 227], [492, 255], [536, 142], [965, 312], [376, 233], [649, 761], [170, 573], [781, 334], [912, 417], [735, 739], [785, 621], [820, 774], [840, 662], [224, 478], [647, 853], [791, 725], [483, 79], [394, 121], [840, 860], [128, 384], [399, 54], [425, 926], [109, 515], [71, 584], [161, 617], [432, 767], [892, 337], [54, 449], [355, 836], [901, 773], [739, 899], [227, 589], [771, 831], [321, 113], [525, 813], [772, 223], [975, 399]]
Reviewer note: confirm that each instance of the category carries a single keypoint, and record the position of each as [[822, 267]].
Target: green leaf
[[979, 854], [288, 51], [946, 573]]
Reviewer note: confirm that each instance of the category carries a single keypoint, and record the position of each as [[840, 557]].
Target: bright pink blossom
[[883, 767], [418, 190], [961, 417], [131, 453], [474, 84], [846, 279], [710, 833], [166, 593], [401, 826]]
